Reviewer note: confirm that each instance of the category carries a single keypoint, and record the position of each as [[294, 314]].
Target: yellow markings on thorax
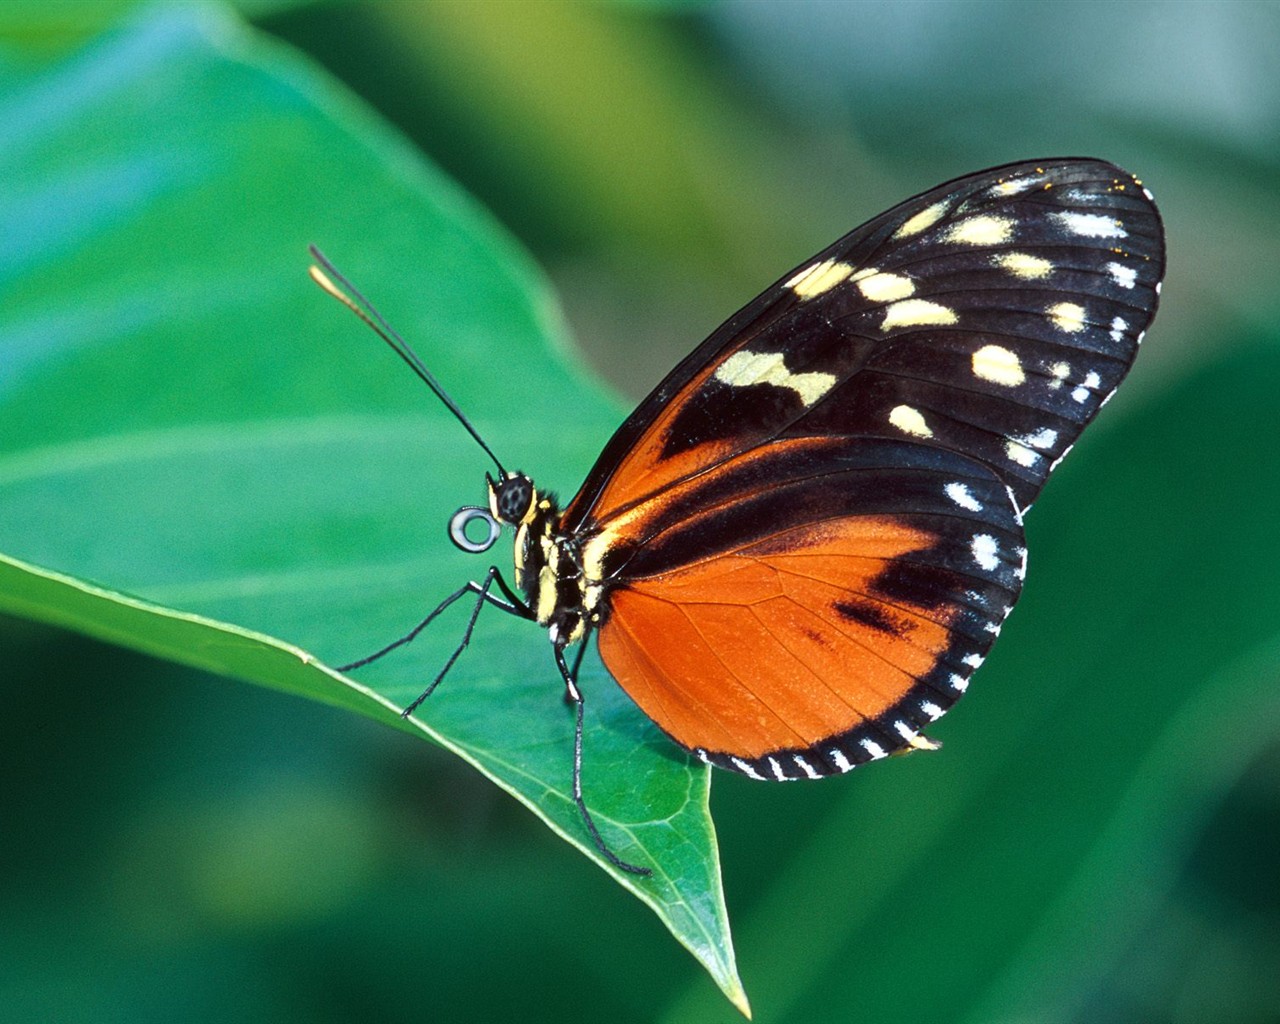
[[926, 218], [821, 277], [883, 287], [517, 557], [981, 230], [1067, 316], [998, 365], [1024, 265], [595, 549], [743, 369], [916, 313], [909, 421], [545, 604]]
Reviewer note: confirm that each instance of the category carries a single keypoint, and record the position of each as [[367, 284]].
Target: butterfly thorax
[[548, 564]]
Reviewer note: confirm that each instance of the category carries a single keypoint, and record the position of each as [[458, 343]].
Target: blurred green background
[[1100, 839]]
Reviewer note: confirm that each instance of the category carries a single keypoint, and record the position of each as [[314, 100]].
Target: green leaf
[[249, 479]]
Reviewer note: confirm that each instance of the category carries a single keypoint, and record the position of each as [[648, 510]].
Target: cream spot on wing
[[926, 218], [998, 365], [1015, 185], [880, 287], [980, 231], [1020, 454], [819, 278], [1019, 449], [1060, 371], [916, 313], [909, 421], [743, 369], [1024, 265], [1124, 276], [1068, 316], [1090, 225]]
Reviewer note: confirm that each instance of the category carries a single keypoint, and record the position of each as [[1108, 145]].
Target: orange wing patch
[[779, 645], [646, 470]]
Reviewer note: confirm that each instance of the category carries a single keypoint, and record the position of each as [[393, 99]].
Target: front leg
[[509, 602]]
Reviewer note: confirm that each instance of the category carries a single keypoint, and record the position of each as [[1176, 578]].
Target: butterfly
[[799, 547]]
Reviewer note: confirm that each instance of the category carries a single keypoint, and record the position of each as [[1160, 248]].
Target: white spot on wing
[[743, 369], [1122, 275], [963, 497], [842, 763], [909, 421], [998, 365], [1090, 225], [916, 313], [1091, 382], [958, 683], [1044, 438], [776, 768], [974, 660], [1118, 327], [932, 710], [1060, 371], [873, 749], [985, 551], [746, 769], [805, 766]]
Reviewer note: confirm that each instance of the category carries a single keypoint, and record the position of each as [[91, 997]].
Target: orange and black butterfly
[[803, 542]]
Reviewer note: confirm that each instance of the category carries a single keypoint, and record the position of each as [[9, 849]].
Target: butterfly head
[[512, 498]]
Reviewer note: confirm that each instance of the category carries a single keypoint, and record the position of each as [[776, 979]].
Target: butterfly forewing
[[810, 532], [992, 315]]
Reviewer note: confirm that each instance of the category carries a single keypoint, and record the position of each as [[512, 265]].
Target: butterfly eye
[[461, 522], [514, 497]]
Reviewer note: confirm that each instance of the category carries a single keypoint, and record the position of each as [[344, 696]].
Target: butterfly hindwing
[[835, 611]]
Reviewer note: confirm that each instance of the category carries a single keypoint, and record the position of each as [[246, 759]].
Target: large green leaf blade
[[203, 458]]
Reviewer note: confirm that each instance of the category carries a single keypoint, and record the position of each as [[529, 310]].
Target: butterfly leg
[[509, 602], [574, 696]]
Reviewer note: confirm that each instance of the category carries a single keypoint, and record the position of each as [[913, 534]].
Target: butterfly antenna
[[345, 292]]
